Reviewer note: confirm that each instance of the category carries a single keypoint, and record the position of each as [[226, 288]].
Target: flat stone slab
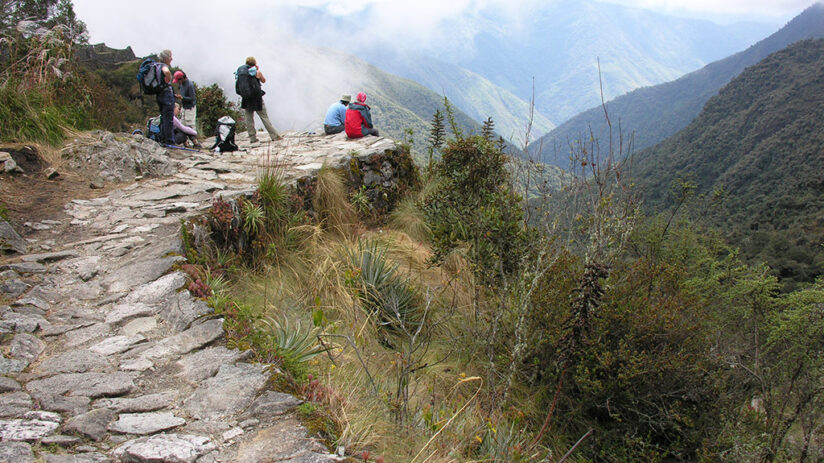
[[158, 290], [26, 347], [182, 309], [146, 423], [83, 384], [187, 341], [116, 344], [13, 287], [10, 239], [173, 191], [14, 322], [285, 441], [177, 448], [123, 313], [139, 325], [271, 404], [73, 361], [138, 273], [58, 403], [26, 430], [15, 404], [11, 366], [93, 425], [83, 335], [33, 301], [26, 267], [146, 403], [49, 256], [61, 440], [205, 363], [87, 457], [228, 393], [8, 385], [16, 452]]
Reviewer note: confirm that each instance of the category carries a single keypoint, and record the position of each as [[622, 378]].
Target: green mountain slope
[[472, 93], [761, 142], [655, 113]]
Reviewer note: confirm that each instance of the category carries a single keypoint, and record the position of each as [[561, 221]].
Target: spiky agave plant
[[391, 301], [295, 345]]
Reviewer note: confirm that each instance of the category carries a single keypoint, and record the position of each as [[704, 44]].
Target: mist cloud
[[210, 39]]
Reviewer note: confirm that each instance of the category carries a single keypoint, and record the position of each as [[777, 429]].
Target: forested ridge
[[756, 156]]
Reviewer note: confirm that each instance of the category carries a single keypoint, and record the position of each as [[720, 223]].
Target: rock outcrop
[[106, 358]]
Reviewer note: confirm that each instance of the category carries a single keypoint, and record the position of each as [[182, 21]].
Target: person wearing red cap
[[187, 97], [359, 118]]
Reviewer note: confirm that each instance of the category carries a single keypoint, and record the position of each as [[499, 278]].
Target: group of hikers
[[178, 110], [355, 118]]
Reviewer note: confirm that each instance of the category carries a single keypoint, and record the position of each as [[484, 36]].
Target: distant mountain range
[[485, 60], [655, 113], [759, 145]]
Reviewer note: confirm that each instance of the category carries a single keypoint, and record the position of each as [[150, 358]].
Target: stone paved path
[[106, 358]]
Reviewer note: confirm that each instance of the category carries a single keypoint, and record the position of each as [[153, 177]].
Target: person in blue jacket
[[336, 116]]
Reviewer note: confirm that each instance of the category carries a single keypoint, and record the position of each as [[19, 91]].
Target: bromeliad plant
[[388, 299]]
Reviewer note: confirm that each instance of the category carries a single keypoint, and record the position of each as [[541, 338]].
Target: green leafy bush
[[211, 106], [474, 204]]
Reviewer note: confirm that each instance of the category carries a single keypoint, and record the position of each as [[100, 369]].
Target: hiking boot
[[197, 145]]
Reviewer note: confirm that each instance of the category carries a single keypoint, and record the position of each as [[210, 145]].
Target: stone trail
[[105, 355]]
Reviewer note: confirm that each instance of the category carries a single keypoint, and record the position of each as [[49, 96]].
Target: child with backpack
[[247, 84]]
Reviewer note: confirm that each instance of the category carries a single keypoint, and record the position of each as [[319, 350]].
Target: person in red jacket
[[359, 118]]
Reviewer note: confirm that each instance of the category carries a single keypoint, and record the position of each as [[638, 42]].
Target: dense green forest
[[754, 157]]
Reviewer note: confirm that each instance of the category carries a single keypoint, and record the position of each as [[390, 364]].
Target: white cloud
[[210, 39]]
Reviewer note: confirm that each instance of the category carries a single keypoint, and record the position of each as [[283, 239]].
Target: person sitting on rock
[[336, 116], [359, 118], [182, 132]]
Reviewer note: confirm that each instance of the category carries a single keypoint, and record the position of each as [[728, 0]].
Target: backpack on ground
[[246, 85], [150, 77], [225, 136], [153, 129]]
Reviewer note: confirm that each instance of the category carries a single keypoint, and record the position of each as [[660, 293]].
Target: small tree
[[488, 129], [437, 135]]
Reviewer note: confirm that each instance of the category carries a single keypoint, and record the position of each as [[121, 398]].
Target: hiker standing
[[188, 99], [336, 116], [166, 99], [247, 86], [359, 118]]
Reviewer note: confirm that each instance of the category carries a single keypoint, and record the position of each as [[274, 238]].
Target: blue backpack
[[150, 77], [153, 129]]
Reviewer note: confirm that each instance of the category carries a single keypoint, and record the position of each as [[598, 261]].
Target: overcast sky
[[210, 38], [109, 22]]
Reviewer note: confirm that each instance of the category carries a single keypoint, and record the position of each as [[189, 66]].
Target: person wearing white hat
[[336, 116]]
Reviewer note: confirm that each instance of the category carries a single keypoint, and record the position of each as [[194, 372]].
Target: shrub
[[211, 106], [474, 204]]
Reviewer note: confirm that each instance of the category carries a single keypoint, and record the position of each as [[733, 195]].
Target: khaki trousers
[[250, 124]]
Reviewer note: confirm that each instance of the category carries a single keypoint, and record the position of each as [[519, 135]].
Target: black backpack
[[246, 85], [150, 77], [225, 136]]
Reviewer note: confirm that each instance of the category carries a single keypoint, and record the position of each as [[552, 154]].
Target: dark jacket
[[188, 94], [358, 116]]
